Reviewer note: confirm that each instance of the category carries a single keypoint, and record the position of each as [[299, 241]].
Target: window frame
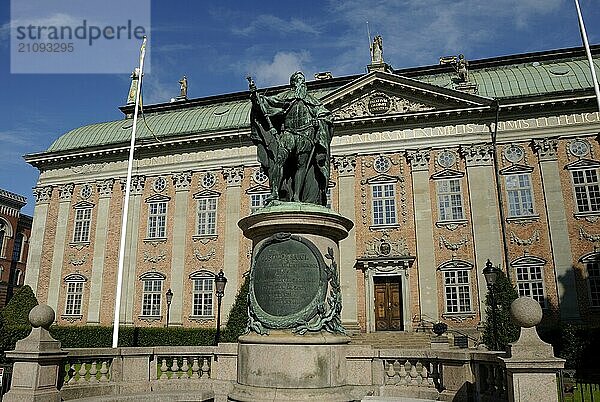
[[457, 267], [75, 288], [82, 225], [513, 213], [204, 216], [153, 295], [442, 215], [204, 277], [263, 197], [586, 186], [592, 258], [529, 262], [388, 218], [157, 228]]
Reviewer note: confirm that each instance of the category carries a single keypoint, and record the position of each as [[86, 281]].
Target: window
[[384, 204], [257, 201], [587, 191], [151, 295], [73, 303], [157, 219], [530, 283], [593, 271], [520, 201], [81, 232], [207, 216], [457, 291], [450, 200], [17, 248], [3, 230], [202, 297]]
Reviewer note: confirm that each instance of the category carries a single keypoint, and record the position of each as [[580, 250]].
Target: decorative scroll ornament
[[587, 236], [327, 318], [205, 257], [91, 168], [514, 239], [154, 259], [42, 194], [379, 103], [77, 261], [453, 246], [384, 247]]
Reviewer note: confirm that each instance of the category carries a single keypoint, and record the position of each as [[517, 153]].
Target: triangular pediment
[[83, 204], [385, 94], [515, 169], [207, 194], [447, 174], [157, 198], [382, 178], [583, 164], [258, 189]]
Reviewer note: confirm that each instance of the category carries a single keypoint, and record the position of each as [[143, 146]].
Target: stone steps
[[393, 340]]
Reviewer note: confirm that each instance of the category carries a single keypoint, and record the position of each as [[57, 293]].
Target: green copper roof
[[518, 76], [527, 79]]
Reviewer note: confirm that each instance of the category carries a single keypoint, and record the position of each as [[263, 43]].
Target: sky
[[216, 44]]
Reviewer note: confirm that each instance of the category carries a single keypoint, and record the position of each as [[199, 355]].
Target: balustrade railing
[[490, 381], [183, 367], [413, 373], [86, 371]]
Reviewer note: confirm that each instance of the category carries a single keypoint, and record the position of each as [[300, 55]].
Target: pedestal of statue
[[295, 348]]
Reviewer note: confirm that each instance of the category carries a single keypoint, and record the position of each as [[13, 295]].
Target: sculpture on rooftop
[[183, 87], [377, 50], [461, 67], [292, 131]]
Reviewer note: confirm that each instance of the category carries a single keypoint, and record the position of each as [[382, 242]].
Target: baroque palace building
[[440, 167]]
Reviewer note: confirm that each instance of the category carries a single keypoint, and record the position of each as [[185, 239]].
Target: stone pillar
[[37, 360], [105, 188], [419, 161], [531, 368], [231, 259], [182, 189], [131, 245], [485, 221], [65, 192], [36, 241], [557, 225], [346, 167]]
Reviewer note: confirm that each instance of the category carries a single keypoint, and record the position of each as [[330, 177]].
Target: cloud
[[278, 70], [267, 22]]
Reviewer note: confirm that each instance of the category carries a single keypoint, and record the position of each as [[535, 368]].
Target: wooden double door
[[388, 303]]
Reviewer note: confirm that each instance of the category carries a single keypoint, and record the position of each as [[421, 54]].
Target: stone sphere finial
[[41, 316], [526, 312]]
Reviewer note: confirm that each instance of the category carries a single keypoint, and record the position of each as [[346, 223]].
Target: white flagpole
[[588, 52], [115, 340]]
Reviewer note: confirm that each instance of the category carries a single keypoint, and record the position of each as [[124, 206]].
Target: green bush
[[238, 316], [507, 332], [14, 319]]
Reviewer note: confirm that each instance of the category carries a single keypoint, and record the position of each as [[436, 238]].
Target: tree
[[238, 316], [16, 312], [507, 332]]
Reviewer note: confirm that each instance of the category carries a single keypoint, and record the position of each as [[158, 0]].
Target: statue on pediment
[[292, 131], [377, 50], [461, 67]]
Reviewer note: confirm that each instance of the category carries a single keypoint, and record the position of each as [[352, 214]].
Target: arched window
[[73, 303], [152, 293], [591, 262], [18, 247], [202, 293], [457, 286], [5, 234], [529, 272]]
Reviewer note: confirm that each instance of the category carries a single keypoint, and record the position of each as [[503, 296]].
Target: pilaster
[[557, 225], [233, 234], [485, 220], [346, 167], [36, 242], [181, 181], [131, 245], [105, 188], [65, 195], [419, 162]]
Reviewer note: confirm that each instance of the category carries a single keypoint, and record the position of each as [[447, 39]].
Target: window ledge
[[71, 317], [459, 317], [523, 219], [384, 227], [592, 216], [205, 238], [155, 240], [201, 318], [452, 224], [150, 318], [79, 244]]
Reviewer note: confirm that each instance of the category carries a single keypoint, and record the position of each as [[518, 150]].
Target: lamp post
[[169, 296], [491, 274], [220, 282]]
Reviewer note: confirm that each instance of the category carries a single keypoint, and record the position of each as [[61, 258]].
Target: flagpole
[[115, 339], [588, 52]]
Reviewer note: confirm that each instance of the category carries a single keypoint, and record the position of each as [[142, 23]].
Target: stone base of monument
[[296, 346], [288, 367]]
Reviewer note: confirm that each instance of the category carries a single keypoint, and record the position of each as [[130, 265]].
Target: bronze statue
[[292, 131]]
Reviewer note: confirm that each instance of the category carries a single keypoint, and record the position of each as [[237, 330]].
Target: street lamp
[[220, 282], [169, 296], [491, 275]]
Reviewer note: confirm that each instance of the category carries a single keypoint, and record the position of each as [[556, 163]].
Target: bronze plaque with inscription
[[287, 280]]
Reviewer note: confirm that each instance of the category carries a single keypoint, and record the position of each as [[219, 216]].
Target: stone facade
[[506, 182]]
